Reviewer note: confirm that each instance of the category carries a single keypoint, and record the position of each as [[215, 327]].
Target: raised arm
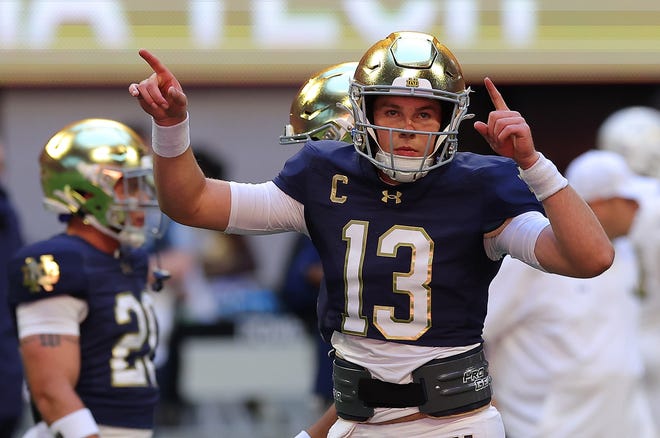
[[184, 194], [575, 243]]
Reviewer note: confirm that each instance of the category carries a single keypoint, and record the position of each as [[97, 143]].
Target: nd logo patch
[[44, 273], [412, 82]]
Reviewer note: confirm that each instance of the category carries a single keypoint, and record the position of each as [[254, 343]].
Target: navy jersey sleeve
[[506, 194], [293, 178], [44, 270]]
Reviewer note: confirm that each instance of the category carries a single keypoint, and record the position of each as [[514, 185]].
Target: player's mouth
[[406, 151]]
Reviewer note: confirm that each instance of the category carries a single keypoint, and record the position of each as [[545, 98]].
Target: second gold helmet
[[321, 109]]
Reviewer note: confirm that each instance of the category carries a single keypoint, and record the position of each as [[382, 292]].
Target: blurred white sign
[[284, 41]]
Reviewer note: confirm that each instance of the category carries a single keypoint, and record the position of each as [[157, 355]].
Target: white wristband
[[170, 141], [302, 434], [78, 424], [543, 178]]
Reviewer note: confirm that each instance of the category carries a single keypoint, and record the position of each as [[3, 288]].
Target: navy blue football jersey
[[117, 338], [404, 263]]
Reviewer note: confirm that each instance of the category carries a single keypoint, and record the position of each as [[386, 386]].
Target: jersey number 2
[[142, 372]]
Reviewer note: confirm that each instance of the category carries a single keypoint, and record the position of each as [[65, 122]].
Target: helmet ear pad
[[369, 113]]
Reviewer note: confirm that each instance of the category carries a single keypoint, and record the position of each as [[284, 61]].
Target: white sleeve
[[263, 209], [57, 315], [506, 296], [518, 239], [39, 430]]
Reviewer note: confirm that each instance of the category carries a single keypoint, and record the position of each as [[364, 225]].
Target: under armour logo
[[387, 196]]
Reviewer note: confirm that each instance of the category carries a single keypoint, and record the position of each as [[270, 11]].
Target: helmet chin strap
[[129, 236], [406, 169], [345, 126], [132, 236], [402, 168]]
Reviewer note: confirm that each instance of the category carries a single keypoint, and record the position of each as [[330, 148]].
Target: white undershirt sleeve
[[57, 315], [263, 209], [518, 239]]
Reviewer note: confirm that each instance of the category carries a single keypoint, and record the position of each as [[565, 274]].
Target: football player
[[409, 230], [634, 133], [82, 303]]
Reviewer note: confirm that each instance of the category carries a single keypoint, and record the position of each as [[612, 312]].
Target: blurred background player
[[634, 133], [321, 110], [81, 298], [564, 352], [11, 372]]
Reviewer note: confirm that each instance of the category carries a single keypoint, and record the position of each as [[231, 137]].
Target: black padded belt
[[441, 387]]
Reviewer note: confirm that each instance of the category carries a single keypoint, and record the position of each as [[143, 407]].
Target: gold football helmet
[[408, 64], [321, 109], [80, 167]]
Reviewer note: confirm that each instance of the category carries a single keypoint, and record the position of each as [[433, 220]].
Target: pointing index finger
[[153, 62], [495, 96]]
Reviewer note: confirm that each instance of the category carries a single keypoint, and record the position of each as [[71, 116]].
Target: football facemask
[[408, 64]]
